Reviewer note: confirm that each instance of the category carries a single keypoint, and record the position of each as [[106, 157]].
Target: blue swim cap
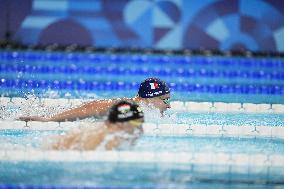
[[153, 87]]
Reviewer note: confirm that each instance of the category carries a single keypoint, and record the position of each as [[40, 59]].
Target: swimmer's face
[[161, 102], [133, 125]]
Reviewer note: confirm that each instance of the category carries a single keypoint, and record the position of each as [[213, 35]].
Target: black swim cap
[[153, 87], [124, 111]]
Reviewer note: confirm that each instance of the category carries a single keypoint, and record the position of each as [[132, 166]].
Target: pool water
[[151, 174], [27, 139], [226, 119], [196, 78], [254, 161], [133, 175]]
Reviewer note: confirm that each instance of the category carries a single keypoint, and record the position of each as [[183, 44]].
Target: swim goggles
[[166, 101], [136, 123]]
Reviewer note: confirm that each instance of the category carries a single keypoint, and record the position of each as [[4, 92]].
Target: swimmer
[[121, 129], [152, 93]]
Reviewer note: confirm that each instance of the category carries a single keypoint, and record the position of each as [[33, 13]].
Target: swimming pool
[[225, 129], [91, 74], [158, 160], [205, 150]]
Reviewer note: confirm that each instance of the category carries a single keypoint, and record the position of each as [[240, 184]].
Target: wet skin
[[161, 102]]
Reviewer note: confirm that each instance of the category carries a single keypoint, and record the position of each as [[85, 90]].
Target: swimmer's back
[[83, 139]]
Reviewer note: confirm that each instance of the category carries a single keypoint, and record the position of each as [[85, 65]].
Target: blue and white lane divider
[[275, 89], [213, 158], [150, 129], [119, 70], [175, 105], [139, 58]]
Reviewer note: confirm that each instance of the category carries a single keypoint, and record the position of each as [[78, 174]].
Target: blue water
[[194, 78], [146, 175], [237, 119], [134, 175], [197, 78]]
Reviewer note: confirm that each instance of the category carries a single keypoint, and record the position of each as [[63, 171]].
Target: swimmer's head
[[153, 87], [155, 92], [125, 111]]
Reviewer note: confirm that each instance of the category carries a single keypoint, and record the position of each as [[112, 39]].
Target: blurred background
[[211, 50], [255, 25]]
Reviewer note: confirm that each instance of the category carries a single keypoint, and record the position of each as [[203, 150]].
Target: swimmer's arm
[[94, 108]]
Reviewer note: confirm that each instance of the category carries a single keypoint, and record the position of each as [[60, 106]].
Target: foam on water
[[34, 106], [239, 119], [194, 144]]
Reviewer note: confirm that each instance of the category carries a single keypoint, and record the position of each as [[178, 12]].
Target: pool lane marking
[[184, 106], [158, 129], [214, 158]]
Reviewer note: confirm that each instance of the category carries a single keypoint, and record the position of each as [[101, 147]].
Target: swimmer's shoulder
[[116, 100], [112, 101]]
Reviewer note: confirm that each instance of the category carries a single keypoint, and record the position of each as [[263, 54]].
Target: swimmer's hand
[[33, 118]]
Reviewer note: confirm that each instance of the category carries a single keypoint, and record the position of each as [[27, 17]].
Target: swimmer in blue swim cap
[[155, 92], [152, 92], [121, 129]]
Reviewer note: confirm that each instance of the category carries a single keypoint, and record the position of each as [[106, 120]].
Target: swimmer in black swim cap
[[122, 127], [152, 92]]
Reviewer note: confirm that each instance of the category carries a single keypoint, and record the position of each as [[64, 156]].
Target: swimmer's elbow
[[33, 118]]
